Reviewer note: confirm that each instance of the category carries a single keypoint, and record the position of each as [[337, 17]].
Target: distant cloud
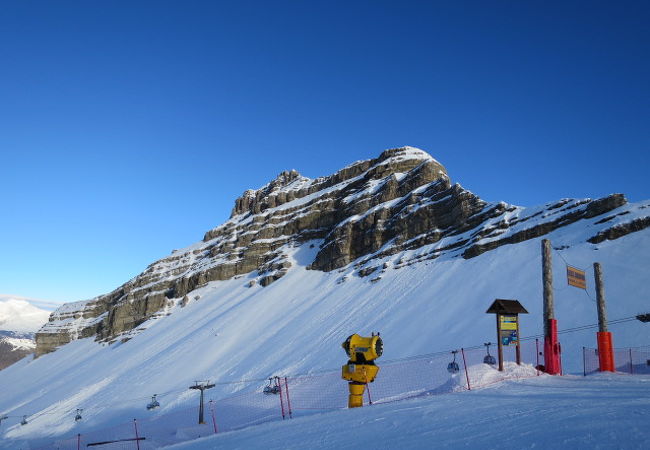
[[43, 304]]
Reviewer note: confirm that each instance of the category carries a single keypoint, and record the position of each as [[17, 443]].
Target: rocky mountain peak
[[278, 191], [290, 185], [366, 212]]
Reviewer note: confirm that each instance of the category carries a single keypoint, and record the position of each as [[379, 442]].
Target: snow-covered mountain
[[19, 320], [388, 244], [21, 314]]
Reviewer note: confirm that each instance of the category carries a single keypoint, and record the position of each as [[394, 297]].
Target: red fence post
[[462, 351], [584, 362], [286, 390], [605, 352], [552, 350], [631, 365], [214, 421], [277, 383], [537, 356], [137, 438]]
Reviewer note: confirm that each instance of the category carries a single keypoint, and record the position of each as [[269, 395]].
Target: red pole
[[214, 421], [537, 355], [605, 352], [286, 390], [462, 351], [277, 383], [137, 438], [552, 363], [584, 362], [78, 441]]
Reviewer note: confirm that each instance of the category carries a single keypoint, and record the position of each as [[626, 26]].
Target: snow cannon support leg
[[605, 351], [355, 400]]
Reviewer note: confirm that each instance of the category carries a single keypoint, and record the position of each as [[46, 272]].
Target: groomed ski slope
[[230, 331], [572, 412]]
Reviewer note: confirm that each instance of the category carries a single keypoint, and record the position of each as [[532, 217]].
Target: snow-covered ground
[[230, 331], [571, 412]]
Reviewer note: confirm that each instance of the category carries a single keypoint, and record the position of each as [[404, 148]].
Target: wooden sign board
[[576, 277]]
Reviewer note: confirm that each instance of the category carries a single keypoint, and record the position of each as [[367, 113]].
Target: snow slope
[[597, 412], [230, 331]]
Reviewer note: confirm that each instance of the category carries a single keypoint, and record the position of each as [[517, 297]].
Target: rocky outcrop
[[14, 346], [592, 209], [402, 200], [620, 230]]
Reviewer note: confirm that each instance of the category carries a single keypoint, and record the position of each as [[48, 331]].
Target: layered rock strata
[[372, 209]]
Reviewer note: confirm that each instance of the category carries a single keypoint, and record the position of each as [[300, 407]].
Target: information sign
[[509, 329], [576, 277]]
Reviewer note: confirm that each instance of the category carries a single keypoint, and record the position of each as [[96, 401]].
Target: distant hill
[[20, 318]]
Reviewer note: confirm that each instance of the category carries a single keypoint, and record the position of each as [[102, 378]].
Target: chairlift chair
[[154, 403], [271, 388], [489, 359], [77, 417], [452, 367], [24, 421]]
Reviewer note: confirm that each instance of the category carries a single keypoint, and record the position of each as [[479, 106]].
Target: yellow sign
[[509, 329], [576, 277], [508, 322]]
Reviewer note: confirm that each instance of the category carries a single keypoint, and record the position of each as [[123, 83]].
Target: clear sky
[[128, 128]]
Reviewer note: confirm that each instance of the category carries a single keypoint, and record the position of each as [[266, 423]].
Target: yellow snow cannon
[[360, 369]]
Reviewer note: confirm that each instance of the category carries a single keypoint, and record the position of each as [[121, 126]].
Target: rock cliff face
[[14, 346], [402, 200]]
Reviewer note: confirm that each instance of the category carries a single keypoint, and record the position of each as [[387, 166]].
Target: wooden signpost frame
[[502, 307]]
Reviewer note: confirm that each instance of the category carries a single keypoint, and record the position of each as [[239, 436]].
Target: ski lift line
[[589, 295], [565, 261], [582, 328], [445, 352], [555, 289]]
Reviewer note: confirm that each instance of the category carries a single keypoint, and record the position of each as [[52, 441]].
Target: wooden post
[[552, 363], [499, 342], [547, 275], [600, 298], [603, 337]]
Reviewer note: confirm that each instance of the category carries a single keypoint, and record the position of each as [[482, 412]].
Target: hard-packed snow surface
[[571, 412], [231, 331], [19, 314]]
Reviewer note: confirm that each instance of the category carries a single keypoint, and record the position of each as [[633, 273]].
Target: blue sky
[[128, 128]]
